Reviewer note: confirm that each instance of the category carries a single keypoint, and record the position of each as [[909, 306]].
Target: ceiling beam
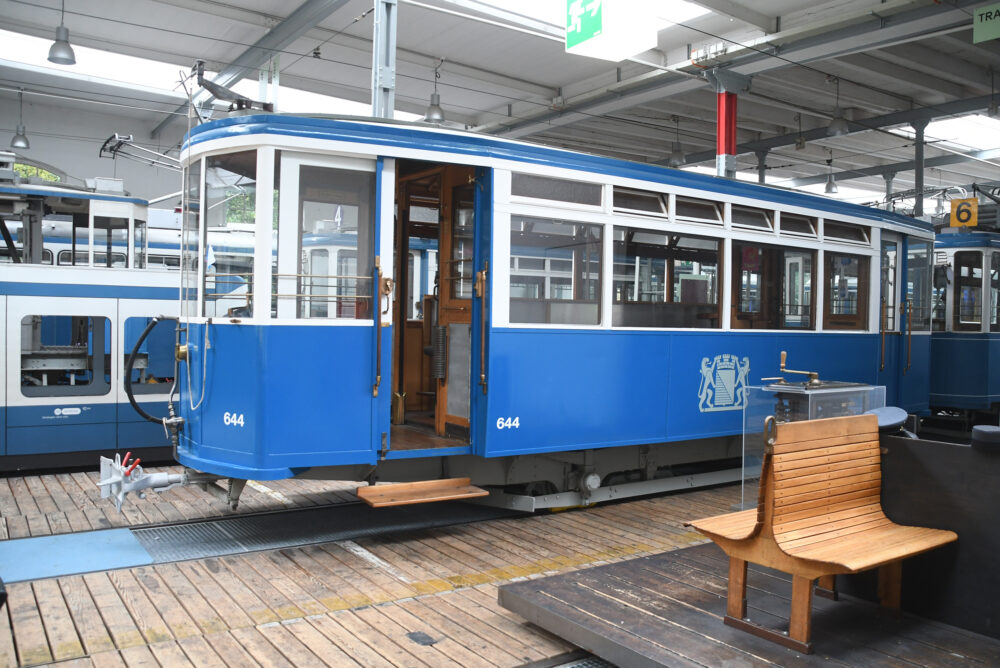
[[306, 17], [734, 10], [955, 108], [847, 34], [882, 170]]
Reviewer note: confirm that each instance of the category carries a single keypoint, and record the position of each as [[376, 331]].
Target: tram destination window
[[664, 280], [230, 214], [968, 290], [772, 287], [64, 355], [559, 190], [556, 272], [846, 302]]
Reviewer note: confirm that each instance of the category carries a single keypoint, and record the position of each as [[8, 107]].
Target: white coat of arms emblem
[[723, 383]]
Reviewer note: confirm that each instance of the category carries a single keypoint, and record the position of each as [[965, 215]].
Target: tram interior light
[[61, 52], [20, 139]]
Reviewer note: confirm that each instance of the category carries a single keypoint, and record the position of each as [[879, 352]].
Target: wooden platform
[[667, 610], [416, 598], [422, 491]]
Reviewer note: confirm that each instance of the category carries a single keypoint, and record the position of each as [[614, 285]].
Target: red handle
[[134, 464], [127, 455]]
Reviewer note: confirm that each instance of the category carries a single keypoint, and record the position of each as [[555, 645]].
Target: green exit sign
[[584, 21], [985, 23]]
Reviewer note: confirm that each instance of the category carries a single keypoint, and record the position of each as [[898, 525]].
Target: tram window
[[64, 355], [559, 190], [139, 244], [664, 280], [846, 292], [793, 223], [566, 293], [189, 239], [108, 233], [845, 232], [995, 293], [698, 210], [939, 294], [745, 216], [460, 274], [230, 207], [100, 259], [640, 201], [153, 369], [336, 211], [166, 261], [968, 290], [918, 284], [772, 287], [5, 257], [887, 284]]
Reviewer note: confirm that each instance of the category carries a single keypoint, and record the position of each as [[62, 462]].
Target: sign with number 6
[[964, 212]]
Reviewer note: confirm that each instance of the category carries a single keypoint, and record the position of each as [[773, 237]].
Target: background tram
[[542, 321], [75, 293], [965, 345]]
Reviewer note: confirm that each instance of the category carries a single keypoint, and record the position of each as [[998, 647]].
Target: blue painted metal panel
[[582, 389], [3, 430], [68, 554], [71, 412], [74, 194], [469, 144], [968, 240], [83, 290], [304, 394], [60, 438], [965, 370]]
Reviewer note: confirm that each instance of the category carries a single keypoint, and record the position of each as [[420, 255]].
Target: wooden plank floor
[[667, 610], [420, 598], [41, 505]]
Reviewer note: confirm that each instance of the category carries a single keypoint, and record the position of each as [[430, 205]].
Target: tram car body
[[75, 293], [965, 344], [589, 316]]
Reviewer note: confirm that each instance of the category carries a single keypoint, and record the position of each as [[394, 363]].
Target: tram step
[[424, 491]]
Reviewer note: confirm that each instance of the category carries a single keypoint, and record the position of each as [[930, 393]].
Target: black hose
[[131, 362]]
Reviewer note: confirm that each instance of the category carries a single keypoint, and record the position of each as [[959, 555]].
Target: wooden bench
[[819, 514]]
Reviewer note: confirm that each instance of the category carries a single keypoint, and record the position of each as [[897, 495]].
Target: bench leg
[[800, 623], [890, 584], [826, 586], [736, 605]]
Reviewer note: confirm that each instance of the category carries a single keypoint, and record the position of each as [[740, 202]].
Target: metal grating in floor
[[274, 531]]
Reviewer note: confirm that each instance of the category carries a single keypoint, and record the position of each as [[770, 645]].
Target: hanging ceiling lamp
[[61, 52], [677, 157], [800, 141], [434, 113], [838, 126], [831, 184], [20, 139]]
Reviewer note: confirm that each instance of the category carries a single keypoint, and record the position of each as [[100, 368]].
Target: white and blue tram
[[965, 344], [590, 325], [75, 293]]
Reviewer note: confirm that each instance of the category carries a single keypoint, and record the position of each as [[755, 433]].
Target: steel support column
[[761, 165], [384, 59], [727, 84], [918, 170]]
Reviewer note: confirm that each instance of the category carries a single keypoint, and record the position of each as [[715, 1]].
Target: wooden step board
[[424, 491]]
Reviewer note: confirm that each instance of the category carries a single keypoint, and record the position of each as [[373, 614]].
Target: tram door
[[904, 320], [434, 298]]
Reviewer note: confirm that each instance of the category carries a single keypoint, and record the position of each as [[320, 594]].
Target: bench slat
[[814, 430], [791, 447], [830, 521], [836, 477], [788, 545], [823, 494], [825, 451], [791, 474], [833, 504]]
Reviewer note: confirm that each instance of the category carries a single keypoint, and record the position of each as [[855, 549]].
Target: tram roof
[[35, 190], [403, 135], [967, 239]]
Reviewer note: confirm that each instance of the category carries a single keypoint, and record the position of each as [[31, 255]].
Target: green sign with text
[[584, 21], [985, 24]]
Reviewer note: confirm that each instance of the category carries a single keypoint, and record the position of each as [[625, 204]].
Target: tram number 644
[[508, 423], [232, 419]]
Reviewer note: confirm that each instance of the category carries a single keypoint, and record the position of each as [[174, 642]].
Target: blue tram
[[541, 321], [75, 293], [965, 344]]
